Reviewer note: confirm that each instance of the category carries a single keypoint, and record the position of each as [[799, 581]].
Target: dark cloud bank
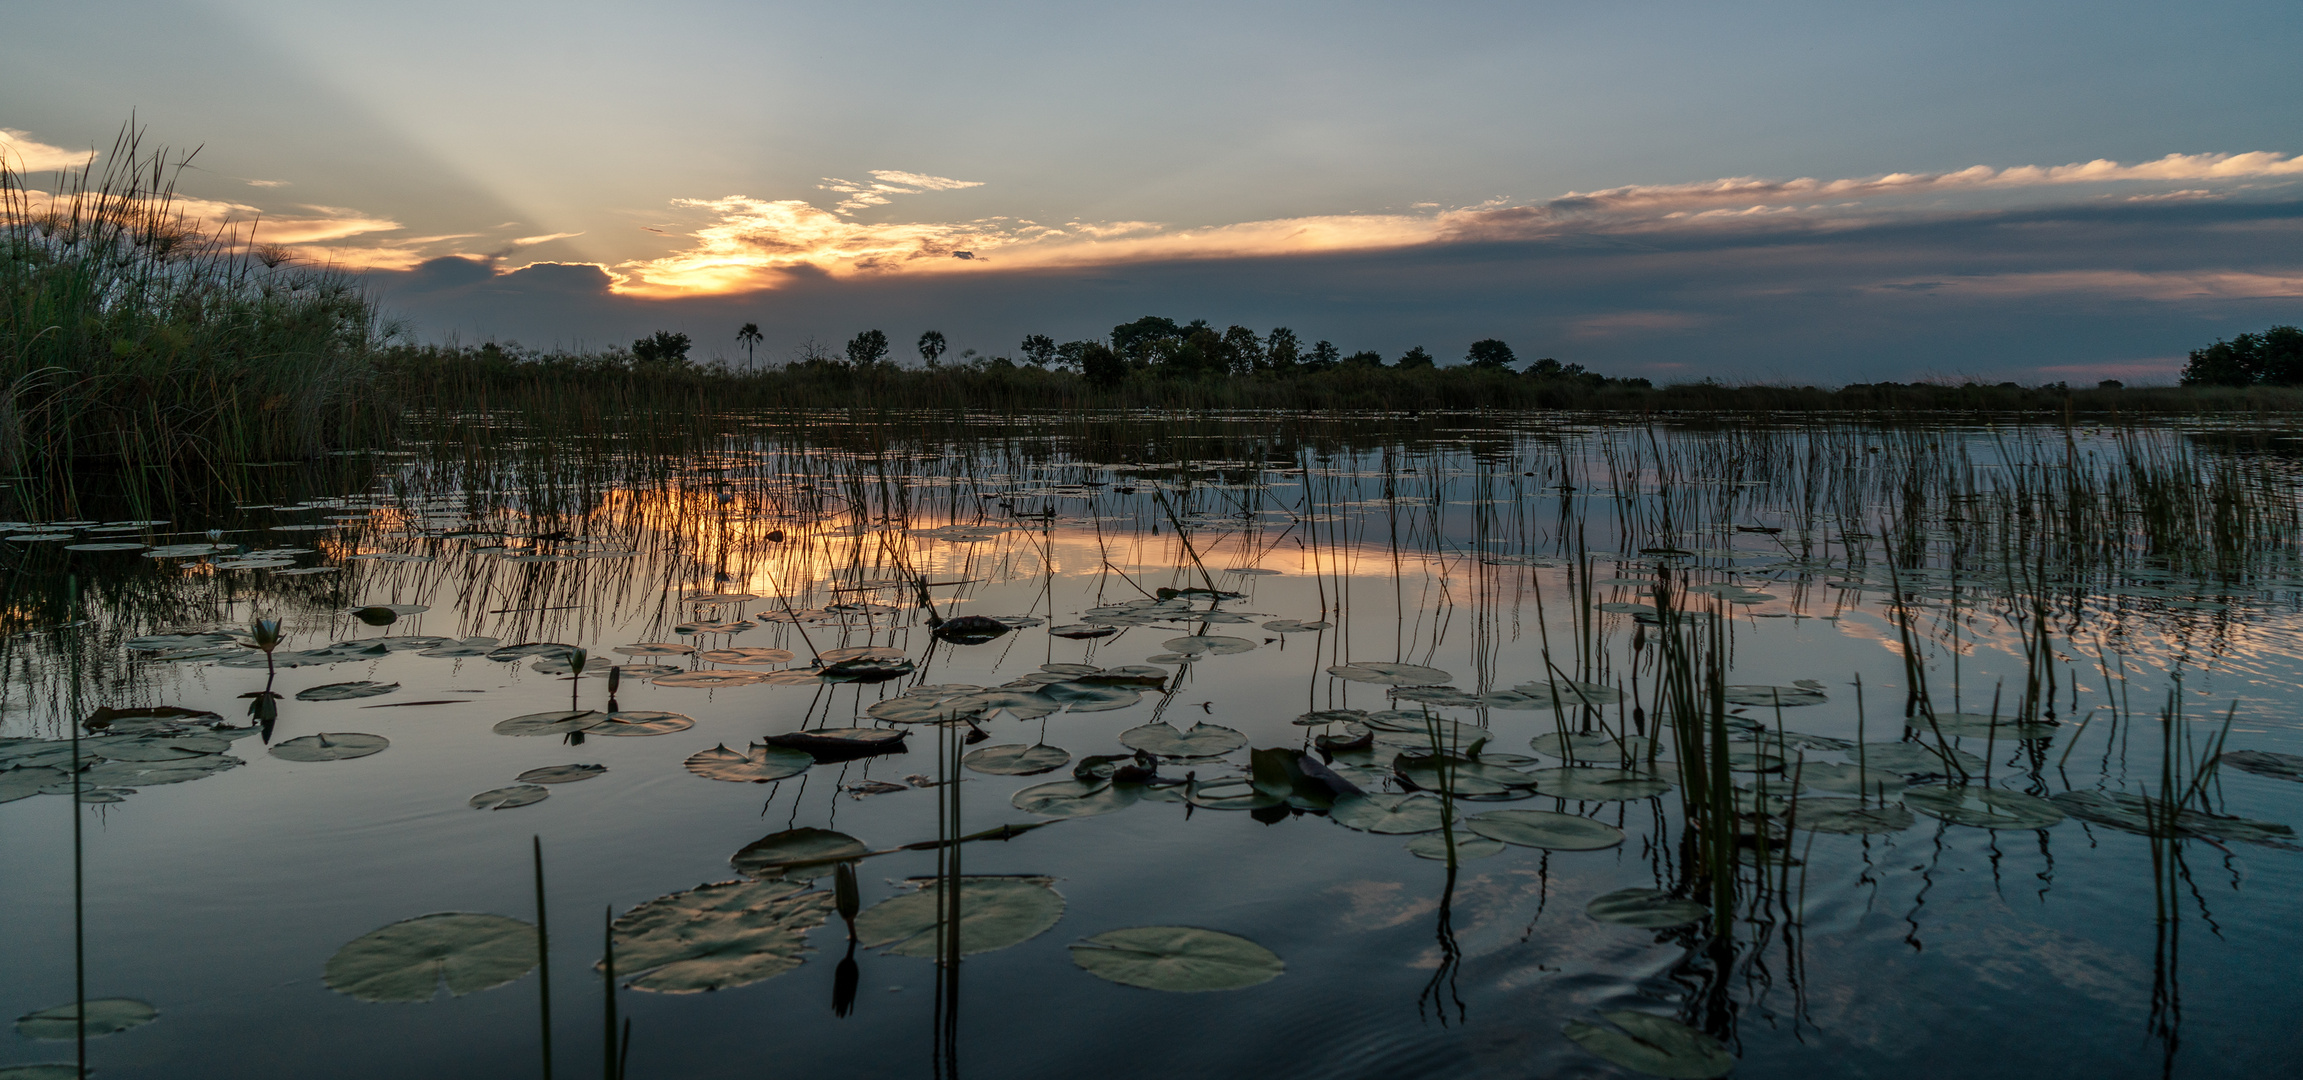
[[2035, 296]]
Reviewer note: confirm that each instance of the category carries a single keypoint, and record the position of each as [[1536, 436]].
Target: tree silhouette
[[1490, 353], [1281, 351], [749, 336], [932, 346], [868, 349], [1416, 357], [665, 350], [1039, 349]]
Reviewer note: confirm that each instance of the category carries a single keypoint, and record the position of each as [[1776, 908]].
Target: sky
[[1816, 193]]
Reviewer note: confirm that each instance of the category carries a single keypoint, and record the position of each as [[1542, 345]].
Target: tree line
[[2271, 358]]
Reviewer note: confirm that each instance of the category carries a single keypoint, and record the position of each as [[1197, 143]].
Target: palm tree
[[932, 346], [750, 336]]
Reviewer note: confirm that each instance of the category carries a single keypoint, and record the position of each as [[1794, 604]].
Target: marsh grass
[[146, 349]]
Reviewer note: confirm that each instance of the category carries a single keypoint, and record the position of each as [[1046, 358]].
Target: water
[[1478, 549]]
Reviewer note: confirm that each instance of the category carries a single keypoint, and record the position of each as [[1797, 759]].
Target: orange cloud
[[22, 153]]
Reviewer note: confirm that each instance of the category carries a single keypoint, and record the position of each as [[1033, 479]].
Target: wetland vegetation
[[1001, 718]]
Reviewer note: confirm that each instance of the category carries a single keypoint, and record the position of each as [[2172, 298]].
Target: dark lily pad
[[995, 912], [1179, 959], [1850, 816], [550, 723], [1200, 741], [2149, 817], [561, 774], [2265, 763], [758, 764], [1655, 1045], [105, 1016], [408, 960], [1390, 674], [505, 798], [640, 722], [719, 936], [1395, 815], [1984, 808], [331, 746], [806, 852], [345, 691], [1017, 759], [841, 744], [1075, 798], [1545, 829]]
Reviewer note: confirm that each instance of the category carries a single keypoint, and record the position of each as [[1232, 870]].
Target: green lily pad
[[2265, 763], [638, 722], [709, 680], [806, 852], [1653, 909], [655, 648], [746, 656], [1851, 817], [331, 746], [1964, 725], [2139, 814], [995, 912], [1545, 829], [1392, 815], [408, 960], [1075, 798], [1906, 757], [505, 798], [1571, 693], [1771, 696], [1016, 759], [1179, 959], [1390, 674], [1598, 785], [24, 783], [1655, 1045], [1984, 808], [345, 691], [105, 1016], [1433, 845], [759, 764], [1020, 704], [153, 749], [1458, 776], [1871, 779], [1201, 741], [1208, 645], [560, 774], [1083, 697], [1231, 793], [550, 723], [719, 936], [46, 1070]]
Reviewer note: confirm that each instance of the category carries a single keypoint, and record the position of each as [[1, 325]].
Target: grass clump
[[136, 336]]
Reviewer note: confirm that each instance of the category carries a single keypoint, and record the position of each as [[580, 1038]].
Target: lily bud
[[576, 661], [265, 634]]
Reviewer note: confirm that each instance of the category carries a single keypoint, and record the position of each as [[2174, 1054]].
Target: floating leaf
[[1770, 696], [1433, 845], [746, 656], [1850, 816], [995, 912], [759, 764], [709, 680], [1457, 775], [714, 937], [1570, 693], [636, 722], [1296, 626], [812, 850], [841, 744], [1655, 1045], [331, 746], [1180, 959], [1908, 758], [1984, 808], [1390, 674], [922, 710], [1079, 631], [1230, 793], [345, 691], [1083, 697], [860, 652], [550, 723], [560, 774], [2139, 814], [1075, 798], [2265, 763], [1545, 829], [864, 670], [1960, 725], [1020, 704], [1208, 645], [1869, 779], [105, 1016], [1650, 908], [509, 653], [378, 615], [408, 960], [24, 783], [1016, 759], [1438, 695], [1395, 815], [153, 748], [1201, 741], [1598, 785], [505, 798]]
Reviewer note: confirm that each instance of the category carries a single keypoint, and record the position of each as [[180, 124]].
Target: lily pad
[[759, 764], [1433, 845], [550, 723], [1569, 693], [1179, 959], [510, 653], [1390, 674], [805, 852], [746, 656], [1596, 785], [2139, 814], [408, 960], [1851, 817], [995, 912], [1984, 808], [1871, 779], [840, 744], [637, 722], [345, 691], [709, 680], [1016, 759], [1459, 776], [719, 936], [1393, 815], [1770, 696], [1655, 1045], [1201, 741], [560, 774], [105, 1016], [1545, 829], [2265, 763], [1962, 725], [1650, 908], [1208, 645], [1907, 757], [331, 746], [505, 798], [1020, 704], [1083, 697], [1075, 798], [655, 648]]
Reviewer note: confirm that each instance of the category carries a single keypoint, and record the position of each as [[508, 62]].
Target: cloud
[[530, 241], [922, 182], [1620, 322], [267, 183], [2123, 284], [19, 151]]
